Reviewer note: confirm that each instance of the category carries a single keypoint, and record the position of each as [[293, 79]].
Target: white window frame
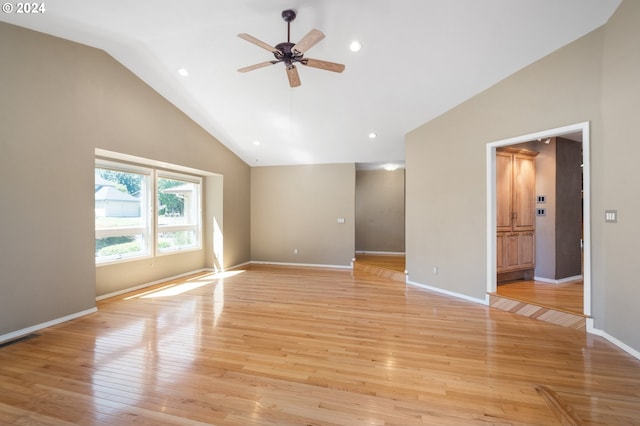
[[150, 228], [197, 227], [147, 216]]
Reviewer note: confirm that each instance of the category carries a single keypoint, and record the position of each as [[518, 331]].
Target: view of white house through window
[[121, 213], [178, 213], [142, 212]]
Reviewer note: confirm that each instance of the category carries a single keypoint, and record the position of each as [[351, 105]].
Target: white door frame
[[491, 201]]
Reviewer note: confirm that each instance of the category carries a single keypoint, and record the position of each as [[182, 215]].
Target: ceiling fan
[[292, 53]]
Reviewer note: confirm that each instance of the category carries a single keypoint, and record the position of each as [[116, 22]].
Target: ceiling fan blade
[[294, 77], [257, 42], [256, 66], [308, 41], [323, 65]]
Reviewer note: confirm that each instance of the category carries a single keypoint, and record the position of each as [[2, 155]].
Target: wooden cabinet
[[515, 212]]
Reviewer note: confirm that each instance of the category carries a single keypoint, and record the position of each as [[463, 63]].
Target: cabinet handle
[[515, 215]]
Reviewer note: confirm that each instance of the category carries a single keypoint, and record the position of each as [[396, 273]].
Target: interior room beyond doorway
[[550, 284]]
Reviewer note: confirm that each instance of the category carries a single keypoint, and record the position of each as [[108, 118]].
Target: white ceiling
[[419, 59]]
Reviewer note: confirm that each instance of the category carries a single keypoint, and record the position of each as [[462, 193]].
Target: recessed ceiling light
[[372, 135], [391, 167], [183, 72], [256, 143], [355, 46]]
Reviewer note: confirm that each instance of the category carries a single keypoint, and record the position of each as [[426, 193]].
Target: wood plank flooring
[[390, 267], [392, 262], [302, 346], [560, 304], [566, 297], [563, 297]]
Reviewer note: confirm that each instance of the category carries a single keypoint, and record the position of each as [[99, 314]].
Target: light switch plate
[[611, 216]]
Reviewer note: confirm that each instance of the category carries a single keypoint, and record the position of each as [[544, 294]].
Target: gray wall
[[593, 79], [58, 102], [568, 217], [380, 211], [296, 207]]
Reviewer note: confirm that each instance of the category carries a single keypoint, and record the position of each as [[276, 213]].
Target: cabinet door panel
[[503, 191], [524, 179], [511, 247], [527, 249]]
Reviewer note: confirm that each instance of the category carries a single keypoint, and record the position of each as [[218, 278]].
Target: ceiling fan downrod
[[288, 16], [286, 53]]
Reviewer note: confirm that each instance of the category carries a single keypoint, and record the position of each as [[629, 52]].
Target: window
[[121, 212], [178, 212], [141, 212]]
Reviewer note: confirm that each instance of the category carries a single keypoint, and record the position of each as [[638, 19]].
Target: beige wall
[[445, 158], [58, 102], [297, 207], [546, 225], [380, 211], [619, 304], [593, 79]]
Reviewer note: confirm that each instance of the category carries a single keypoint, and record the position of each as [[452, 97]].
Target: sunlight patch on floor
[[192, 284]]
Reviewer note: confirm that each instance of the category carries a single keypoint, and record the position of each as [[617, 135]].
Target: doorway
[[582, 130], [380, 218]]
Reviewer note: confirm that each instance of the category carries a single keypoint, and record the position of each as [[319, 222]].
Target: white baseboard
[[149, 284], [628, 349], [238, 266], [381, 253], [307, 265], [560, 281], [29, 330], [484, 301]]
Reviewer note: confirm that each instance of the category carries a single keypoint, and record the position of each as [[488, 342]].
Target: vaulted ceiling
[[419, 58]]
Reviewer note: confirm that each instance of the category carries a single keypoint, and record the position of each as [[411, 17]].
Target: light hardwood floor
[[564, 297], [567, 297], [276, 346], [394, 263]]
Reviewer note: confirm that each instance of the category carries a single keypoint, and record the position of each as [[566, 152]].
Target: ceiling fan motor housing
[[287, 54]]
